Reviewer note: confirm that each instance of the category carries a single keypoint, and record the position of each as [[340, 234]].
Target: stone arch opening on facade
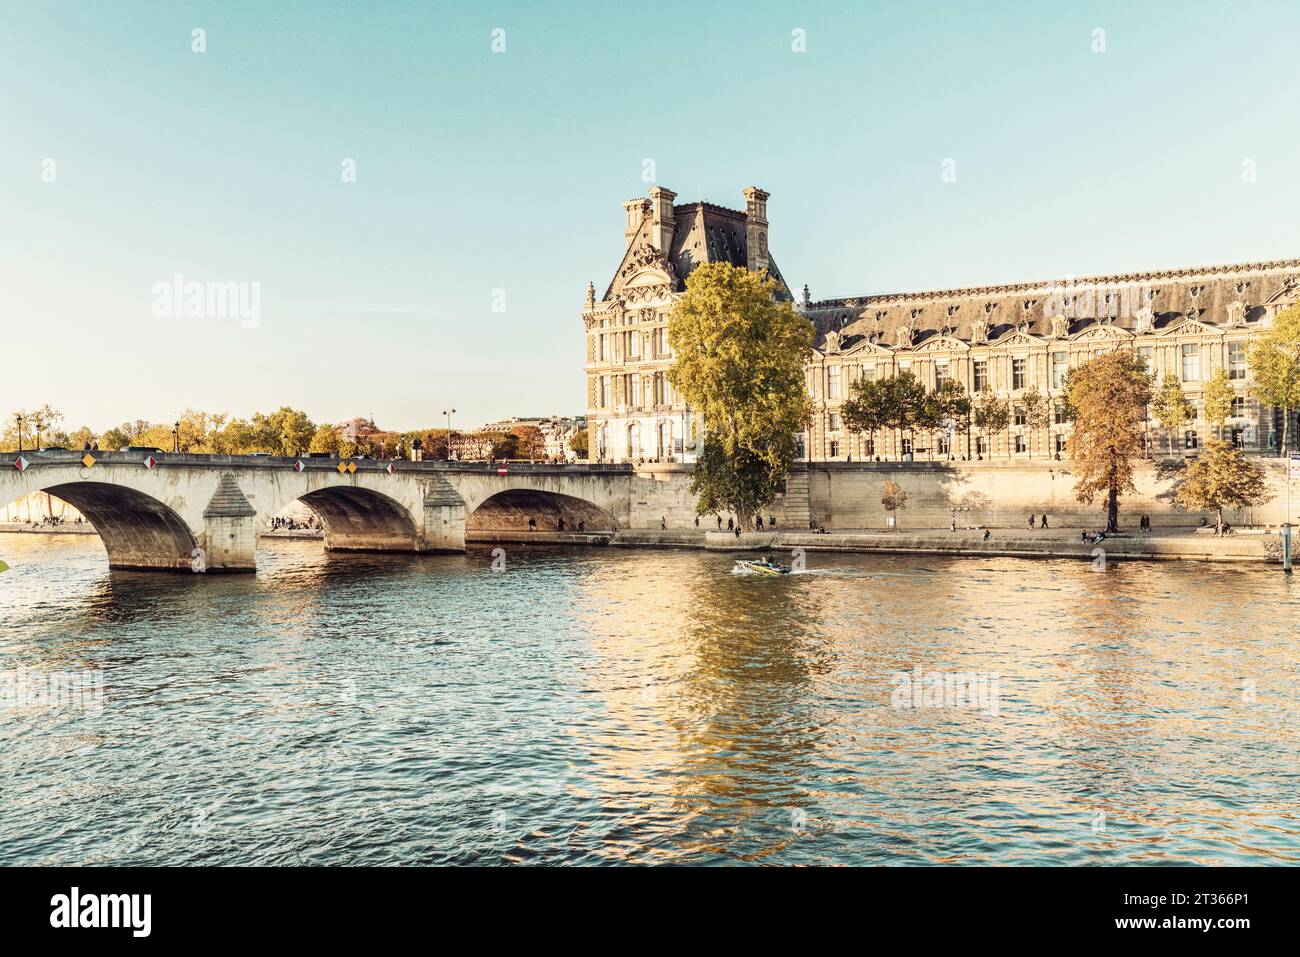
[[510, 511], [359, 519], [138, 531]]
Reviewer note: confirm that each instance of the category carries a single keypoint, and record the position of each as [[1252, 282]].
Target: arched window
[[634, 440], [1191, 440]]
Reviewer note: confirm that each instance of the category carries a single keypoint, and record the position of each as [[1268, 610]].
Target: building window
[[1236, 360], [603, 350], [1019, 416], [835, 449], [1020, 443], [604, 391], [833, 382], [940, 373], [833, 423], [635, 398], [1191, 362], [981, 445], [1190, 440], [944, 447], [1060, 442], [981, 375], [1017, 374], [1239, 407], [907, 446], [634, 345], [1060, 368], [871, 447], [869, 372], [1148, 359], [1058, 413]]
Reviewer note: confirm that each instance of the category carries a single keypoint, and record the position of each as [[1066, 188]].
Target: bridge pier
[[229, 541], [444, 517]]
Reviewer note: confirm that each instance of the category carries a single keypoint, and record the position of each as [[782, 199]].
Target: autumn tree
[[325, 439], [946, 408], [532, 443], [893, 498], [1274, 359], [1222, 477], [579, 443], [739, 363], [1108, 400], [1172, 409]]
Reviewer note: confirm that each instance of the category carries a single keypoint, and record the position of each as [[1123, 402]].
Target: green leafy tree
[[1172, 409], [114, 439], [1274, 359], [325, 439], [944, 406], [863, 410], [1216, 400], [1038, 413], [992, 414], [739, 362], [1108, 395], [1221, 477]]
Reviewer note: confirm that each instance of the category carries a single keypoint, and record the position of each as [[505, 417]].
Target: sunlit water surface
[[606, 706]]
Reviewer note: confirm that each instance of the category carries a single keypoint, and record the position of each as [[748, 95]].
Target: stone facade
[[633, 412], [1010, 339]]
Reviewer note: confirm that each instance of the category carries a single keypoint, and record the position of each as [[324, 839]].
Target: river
[[602, 705]]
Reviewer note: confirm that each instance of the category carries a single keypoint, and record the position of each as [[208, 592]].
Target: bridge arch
[[359, 519], [510, 510], [138, 530]]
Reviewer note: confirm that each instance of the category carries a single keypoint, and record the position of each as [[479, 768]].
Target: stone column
[[229, 542]]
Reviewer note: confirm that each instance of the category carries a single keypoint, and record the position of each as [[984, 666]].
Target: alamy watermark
[[191, 299], [971, 690], [30, 688]]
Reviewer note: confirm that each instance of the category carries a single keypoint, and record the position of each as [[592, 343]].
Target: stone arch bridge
[[190, 512]]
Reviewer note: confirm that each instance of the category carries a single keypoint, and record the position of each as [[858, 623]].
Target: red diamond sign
[[21, 464], [150, 461], [392, 469], [298, 466]]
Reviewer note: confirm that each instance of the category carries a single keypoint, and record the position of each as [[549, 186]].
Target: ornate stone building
[[633, 412], [1011, 339]]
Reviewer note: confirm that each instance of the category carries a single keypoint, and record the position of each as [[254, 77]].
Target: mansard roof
[[703, 233], [1177, 296]]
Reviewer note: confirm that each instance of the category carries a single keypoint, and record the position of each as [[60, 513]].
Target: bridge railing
[[313, 463]]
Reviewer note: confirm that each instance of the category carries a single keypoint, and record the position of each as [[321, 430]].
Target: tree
[[991, 414], [1216, 400], [863, 410], [1108, 399], [948, 404], [532, 443], [739, 363], [1220, 478], [1038, 413], [893, 499], [1274, 359], [114, 439], [579, 443], [1172, 409], [324, 440]]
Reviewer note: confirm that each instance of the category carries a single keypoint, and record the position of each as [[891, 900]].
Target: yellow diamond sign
[[88, 460], [342, 468], [352, 466]]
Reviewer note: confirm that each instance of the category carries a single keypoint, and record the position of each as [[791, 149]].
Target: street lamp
[[447, 413], [20, 431], [176, 437]]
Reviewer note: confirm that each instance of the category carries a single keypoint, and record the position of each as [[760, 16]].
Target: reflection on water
[[609, 705]]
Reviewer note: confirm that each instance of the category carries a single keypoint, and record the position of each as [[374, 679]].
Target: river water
[[602, 705]]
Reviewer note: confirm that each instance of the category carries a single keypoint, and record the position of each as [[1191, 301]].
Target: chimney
[[756, 227], [636, 211], [662, 225]]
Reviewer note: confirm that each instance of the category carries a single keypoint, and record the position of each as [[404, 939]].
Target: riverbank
[[1180, 544], [68, 528]]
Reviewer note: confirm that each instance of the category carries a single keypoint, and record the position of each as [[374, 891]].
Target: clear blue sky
[[478, 171]]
